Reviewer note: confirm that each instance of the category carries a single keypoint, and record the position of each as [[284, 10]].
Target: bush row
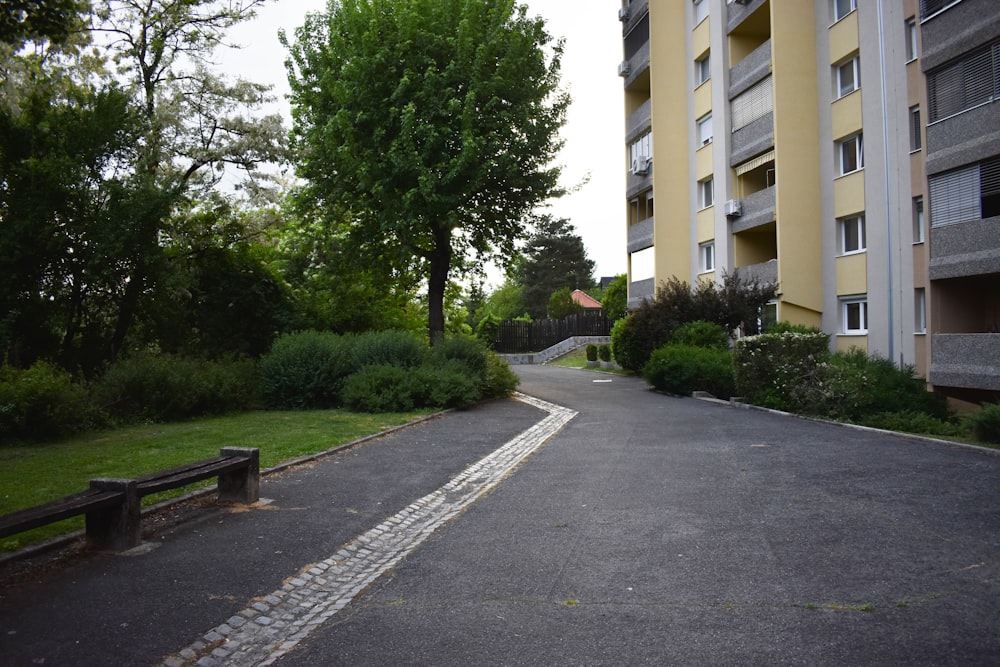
[[377, 372], [791, 369]]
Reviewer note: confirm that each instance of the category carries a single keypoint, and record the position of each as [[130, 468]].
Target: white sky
[[594, 128]]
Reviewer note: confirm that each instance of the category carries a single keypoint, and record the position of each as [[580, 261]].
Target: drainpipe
[[888, 206]]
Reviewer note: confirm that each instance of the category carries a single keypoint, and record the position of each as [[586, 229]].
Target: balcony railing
[[758, 209], [639, 120], [640, 235], [641, 290], [970, 361], [765, 272], [750, 70]]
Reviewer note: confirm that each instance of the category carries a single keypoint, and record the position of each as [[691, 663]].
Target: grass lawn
[[37, 473]]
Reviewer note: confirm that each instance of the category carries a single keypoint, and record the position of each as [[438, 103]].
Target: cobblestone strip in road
[[273, 625]]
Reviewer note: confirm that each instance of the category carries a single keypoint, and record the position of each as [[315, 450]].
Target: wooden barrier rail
[[112, 506]]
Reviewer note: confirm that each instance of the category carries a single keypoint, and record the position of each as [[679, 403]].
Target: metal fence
[[513, 337]]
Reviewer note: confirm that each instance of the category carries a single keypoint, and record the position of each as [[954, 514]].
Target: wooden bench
[[112, 506]]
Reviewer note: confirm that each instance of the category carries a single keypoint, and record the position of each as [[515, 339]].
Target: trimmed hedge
[[393, 348], [163, 387], [683, 369], [307, 370], [701, 334], [985, 424]]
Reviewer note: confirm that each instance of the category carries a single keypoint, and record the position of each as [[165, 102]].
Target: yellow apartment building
[[791, 141]]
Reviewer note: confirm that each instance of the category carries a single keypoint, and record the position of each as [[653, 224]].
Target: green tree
[[38, 20], [554, 258], [426, 129], [614, 302], [199, 123], [561, 304]]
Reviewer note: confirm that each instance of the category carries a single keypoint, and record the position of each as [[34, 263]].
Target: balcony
[[965, 249], [636, 183], [758, 209], [750, 70], [739, 12], [636, 10], [641, 290], [764, 272], [969, 361], [640, 235], [638, 64], [752, 139], [638, 121]]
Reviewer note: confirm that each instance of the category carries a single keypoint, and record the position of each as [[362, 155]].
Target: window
[[706, 257], [700, 11], [854, 315], [915, 141], [961, 85], [851, 153], [641, 208], [640, 152], [852, 235], [703, 69], [642, 264], [911, 39], [919, 310], [842, 8], [930, 7], [706, 194], [968, 193], [918, 219], [705, 130], [755, 102], [848, 77]]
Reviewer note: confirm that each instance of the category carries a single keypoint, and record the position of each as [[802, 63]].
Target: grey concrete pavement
[[648, 530]]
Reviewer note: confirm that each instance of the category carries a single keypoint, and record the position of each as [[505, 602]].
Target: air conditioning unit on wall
[[734, 208], [641, 167], [623, 14], [624, 68]]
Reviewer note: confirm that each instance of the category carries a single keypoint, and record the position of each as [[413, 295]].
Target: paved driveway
[[647, 530]]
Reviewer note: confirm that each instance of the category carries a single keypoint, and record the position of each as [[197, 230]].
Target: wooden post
[[243, 485], [115, 528]]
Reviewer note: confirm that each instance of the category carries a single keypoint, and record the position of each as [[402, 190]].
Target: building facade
[[796, 141]]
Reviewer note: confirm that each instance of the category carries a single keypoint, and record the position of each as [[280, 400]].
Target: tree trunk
[[440, 265]]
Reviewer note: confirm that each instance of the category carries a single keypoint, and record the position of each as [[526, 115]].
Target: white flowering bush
[[786, 371]]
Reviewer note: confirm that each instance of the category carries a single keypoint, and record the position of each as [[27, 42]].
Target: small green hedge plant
[[307, 370], [985, 424], [701, 334], [683, 369], [604, 352], [162, 387], [785, 371], [591, 353]]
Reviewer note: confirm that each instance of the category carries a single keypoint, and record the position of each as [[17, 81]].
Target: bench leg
[[241, 486], [115, 528]]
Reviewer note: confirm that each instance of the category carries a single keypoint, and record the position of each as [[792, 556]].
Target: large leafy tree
[[554, 259], [199, 123], [106, 148], [425, 129]]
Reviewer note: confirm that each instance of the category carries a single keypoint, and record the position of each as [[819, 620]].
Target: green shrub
[[701, 334], [604, 352], [591, 353], [465, 349], [682, 369], [41, 403], [985, 423], [500, 380], [389, 348], [784, 371], [445, 384], [163, 387], [860, 385], [382, 388], [306, 370], [911, 421]]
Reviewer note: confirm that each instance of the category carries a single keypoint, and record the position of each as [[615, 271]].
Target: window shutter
[[756, 102], [963, 85], [955, 196]]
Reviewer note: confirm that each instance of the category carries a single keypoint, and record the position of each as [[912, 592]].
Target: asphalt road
[[646, 529]]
